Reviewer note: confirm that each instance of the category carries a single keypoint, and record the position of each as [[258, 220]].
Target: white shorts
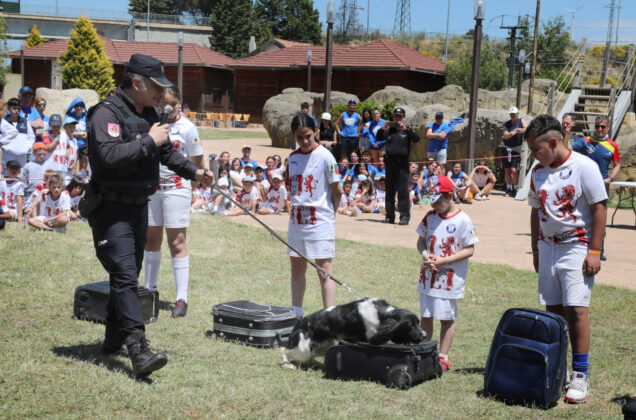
[[439, 156], [170, 208], [438, 308], [320, 249], [267, 205], [561, 278]]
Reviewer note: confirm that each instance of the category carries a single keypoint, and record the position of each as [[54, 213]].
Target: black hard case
[[253, 323], [91, 299], [396, 366]]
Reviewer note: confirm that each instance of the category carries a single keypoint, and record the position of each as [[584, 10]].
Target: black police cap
[[150, 67], [399, 111]]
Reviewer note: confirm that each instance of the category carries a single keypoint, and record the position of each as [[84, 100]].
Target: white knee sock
[[181, 270], [153, 262]]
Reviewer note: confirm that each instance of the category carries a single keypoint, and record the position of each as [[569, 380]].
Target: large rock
[[627, 147], [452, 96], [58, 100], [278, 112], [403, 96]]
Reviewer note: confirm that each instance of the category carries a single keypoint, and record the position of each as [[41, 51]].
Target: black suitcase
[[91, 299], [396, 366], [528, 357], [253, 323]]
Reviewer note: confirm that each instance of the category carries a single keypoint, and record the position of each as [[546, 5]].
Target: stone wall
[[58, 100]]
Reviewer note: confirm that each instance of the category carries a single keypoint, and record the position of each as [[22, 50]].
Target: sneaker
[[456, 200], [144, 361], [603, 257], [509, 193], [180, 309], [355, 211], [404, 221], [466, 201], [387, 220], [478, 197], [445, 364], [579, 390]]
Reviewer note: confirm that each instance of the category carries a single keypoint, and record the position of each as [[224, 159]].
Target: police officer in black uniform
[[126, 143], [398, 146]]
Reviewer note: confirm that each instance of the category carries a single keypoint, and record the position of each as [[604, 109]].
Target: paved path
[[502, 224]]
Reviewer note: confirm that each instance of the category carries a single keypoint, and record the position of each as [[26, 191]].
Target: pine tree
[[34, 37], [161, 7], [293, 20], [231, 25], [85, 65]]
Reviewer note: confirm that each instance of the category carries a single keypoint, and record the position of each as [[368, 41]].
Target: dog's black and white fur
[[372, 320]]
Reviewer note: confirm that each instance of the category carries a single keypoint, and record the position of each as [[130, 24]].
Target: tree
[[34, 37], [552, 43], [492, 69], [160, 7], [200, 10], [4, 52], [294, 20], [231, 27], [84, 62]]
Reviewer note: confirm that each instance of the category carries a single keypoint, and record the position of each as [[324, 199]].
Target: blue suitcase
[[528, 357]]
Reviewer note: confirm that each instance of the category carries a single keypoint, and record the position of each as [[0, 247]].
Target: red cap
[[38, 145]]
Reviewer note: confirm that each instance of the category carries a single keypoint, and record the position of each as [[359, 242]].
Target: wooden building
[[360, 70], [207, 77]]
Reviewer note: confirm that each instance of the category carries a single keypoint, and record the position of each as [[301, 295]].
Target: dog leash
[[277, 236]]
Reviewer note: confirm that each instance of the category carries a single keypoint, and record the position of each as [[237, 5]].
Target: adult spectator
[[77, 110], [378, 168], [40, 106], [17, 136], [347, 127], [602, 150], [482, 181], [513, 129], [377, 150], [27, 110], [247, 151], [126, 145], [327, 135], [398, 146], [363, 131], [567, 123], [304, 109], [224, 161], [437, 134]]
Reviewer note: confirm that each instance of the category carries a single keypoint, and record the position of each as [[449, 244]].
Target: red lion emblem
[[564, 201], [310, 184], [543, 198], [447, 246]]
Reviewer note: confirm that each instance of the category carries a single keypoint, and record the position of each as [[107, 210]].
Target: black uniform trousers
[[397, 175], [119, 236]]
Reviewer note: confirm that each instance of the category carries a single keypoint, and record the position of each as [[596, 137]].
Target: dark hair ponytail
[[302, 120]]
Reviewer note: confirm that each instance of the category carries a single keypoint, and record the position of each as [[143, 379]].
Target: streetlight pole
[[522, 60], [309, 70], [331, 12], [148, 22], [474, 83], [180, 67], [534, 57]]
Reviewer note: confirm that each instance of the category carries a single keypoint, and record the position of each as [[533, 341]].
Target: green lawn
[[220, 134], [51, 368]]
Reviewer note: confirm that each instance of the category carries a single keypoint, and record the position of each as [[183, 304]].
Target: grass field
[[219, 134], [51, 367]]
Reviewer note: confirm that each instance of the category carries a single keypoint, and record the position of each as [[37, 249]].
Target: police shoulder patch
[[113, 130]]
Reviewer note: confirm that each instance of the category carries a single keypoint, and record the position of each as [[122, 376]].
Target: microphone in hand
[[165, 110]]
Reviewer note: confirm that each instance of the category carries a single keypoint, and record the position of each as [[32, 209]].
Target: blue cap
[[55, 120], [67, 120], [352, 101], [26, 89]]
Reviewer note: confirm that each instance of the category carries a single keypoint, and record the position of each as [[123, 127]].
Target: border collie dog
[[372, 320]]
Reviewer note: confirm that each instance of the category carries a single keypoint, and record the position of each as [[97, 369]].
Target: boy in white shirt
[[568, 199], [52, 212], [248, 197], [220, 201], [446, 242], [14, 193], [275, 198]]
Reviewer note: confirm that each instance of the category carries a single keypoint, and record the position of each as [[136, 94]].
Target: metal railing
[[72, 12]]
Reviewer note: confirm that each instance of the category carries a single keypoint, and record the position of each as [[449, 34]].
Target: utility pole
[[446, 38], [608, 44], [534, 56], [618, 20], [512, 55]]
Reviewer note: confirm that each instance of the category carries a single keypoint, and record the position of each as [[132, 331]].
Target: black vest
[[138, 178], [21, 126]]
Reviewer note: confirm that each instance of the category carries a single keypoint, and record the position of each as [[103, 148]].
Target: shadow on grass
[[91, 353], [164, 305], [470, 371], [622, 399]]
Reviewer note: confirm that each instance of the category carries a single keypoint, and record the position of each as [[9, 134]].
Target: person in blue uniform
[[347, 127], [126, 143]]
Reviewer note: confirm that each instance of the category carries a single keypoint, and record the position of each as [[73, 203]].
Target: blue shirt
[[374, 126], [603, 152], [435, 145], [313, 118], [365, 129], [254, 164], [350, 124]]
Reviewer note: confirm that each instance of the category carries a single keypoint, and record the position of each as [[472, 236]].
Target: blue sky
[[430, 15]]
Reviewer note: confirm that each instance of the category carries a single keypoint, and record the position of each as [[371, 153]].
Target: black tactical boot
[[114, 344], [144, 361]]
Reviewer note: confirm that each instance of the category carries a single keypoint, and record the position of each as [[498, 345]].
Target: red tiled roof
[[119, 52], [383, 53]]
